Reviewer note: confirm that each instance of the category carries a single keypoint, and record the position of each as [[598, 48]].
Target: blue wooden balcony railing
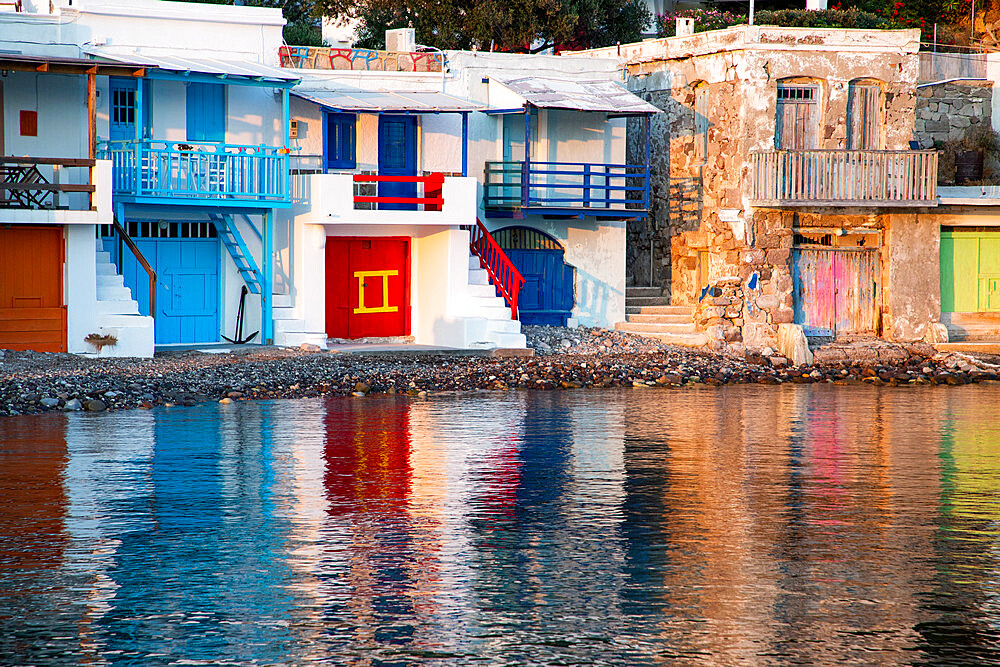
[[192, 173], [573, 187]]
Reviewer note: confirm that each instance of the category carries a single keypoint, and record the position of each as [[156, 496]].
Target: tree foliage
[[505, 25]]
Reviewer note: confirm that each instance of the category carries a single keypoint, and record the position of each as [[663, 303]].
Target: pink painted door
[[836, 290]]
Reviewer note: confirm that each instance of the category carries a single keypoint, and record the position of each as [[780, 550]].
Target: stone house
[[788, 179]]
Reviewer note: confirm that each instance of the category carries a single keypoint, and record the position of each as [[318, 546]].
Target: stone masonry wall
[[946, 111]]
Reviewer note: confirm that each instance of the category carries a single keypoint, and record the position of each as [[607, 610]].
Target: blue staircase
[[230, 236]]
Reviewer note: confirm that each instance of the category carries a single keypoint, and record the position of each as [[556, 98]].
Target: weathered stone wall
[[946, 111], [744, 242]]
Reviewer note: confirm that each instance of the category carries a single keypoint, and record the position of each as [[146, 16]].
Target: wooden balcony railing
[[398, 192], [323, 57], [572, 186], [844, 178], [39, 182], [198, 172]]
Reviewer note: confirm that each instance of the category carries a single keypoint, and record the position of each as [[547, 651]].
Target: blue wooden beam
[[648, 143], [465, 144], [526, 174], [266, 291]]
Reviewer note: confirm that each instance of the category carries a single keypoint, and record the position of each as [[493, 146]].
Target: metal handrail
[[124, 237], [503, 274], [541, 183]]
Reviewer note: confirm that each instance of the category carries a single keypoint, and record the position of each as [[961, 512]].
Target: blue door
[[397, 156], [546, 296], [121, 125], [206, 112], [187, 286]]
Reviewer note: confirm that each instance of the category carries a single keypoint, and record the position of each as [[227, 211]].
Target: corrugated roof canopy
[[371, 101], [212, 66], [606, 96], [61, 65]]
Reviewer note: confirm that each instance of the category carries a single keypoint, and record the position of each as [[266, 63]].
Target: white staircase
[[117, 313], [497, 328], [648, 313]]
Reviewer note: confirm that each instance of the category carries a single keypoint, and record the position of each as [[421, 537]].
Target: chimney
[[684, 27], [401, 40]]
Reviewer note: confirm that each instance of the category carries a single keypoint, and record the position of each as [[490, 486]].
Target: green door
[[970, 271]]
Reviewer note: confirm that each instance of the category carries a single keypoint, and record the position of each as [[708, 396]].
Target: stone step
[[665, 318], [646, 301], [509, 340], [968, 332], [686, 311], [645, 328], [683, 339], [631, 292]]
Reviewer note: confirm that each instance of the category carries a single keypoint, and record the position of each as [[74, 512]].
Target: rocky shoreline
[[32, 382]]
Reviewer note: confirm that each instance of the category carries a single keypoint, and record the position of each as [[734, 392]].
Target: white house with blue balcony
[[200, 161], [558, 184]]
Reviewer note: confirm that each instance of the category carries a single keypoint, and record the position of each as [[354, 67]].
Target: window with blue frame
[[339, 150], [206, 112]]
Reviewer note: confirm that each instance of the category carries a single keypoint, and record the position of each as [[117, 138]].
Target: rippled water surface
[[747, 524]]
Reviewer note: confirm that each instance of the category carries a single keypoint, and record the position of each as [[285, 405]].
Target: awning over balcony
[[377, 101], [18, 62], [600, 96], [182, 66]]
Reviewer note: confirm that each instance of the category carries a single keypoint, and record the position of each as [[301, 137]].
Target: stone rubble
[[32, 382]]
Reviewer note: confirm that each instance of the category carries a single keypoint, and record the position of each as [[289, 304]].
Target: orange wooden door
[[32, 314], [367, 287]]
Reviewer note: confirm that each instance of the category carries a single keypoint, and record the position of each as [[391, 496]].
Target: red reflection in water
[[367, 455], [32, 497]]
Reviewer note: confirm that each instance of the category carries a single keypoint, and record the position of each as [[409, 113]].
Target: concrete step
[[103, 257], [125, 320], [109, 280], [481, 290], [509, 340], [686, 311], [128, 307], [474, 262], [631, 292], [646, 301], [106, 268], [968, 332], [504, 326], [682, 339], [652, 318], [644, 328], [479, 277], [114, 293]]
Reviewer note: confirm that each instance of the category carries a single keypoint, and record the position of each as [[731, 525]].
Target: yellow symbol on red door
[[385, 307]]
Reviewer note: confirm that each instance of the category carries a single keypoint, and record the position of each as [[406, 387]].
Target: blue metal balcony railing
[[595, 189], [191, 173]]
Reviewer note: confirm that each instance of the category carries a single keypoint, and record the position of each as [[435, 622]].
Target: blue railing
[[189, 172], [566, 185]]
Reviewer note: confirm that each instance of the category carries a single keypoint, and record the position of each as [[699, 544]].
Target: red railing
[[503, 274], [432, 200]]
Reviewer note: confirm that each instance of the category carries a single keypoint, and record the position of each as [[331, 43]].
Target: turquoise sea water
[[745, 524]]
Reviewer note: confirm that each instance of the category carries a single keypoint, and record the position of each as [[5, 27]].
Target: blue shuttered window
[[206, 112], [339, 150]]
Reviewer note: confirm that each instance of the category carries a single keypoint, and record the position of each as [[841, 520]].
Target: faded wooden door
[[864, 114], [32, 314], [836, 291], [367, 287], [797, 122]]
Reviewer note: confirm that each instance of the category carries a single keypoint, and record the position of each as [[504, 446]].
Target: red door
[[367, 287], [32, 314]]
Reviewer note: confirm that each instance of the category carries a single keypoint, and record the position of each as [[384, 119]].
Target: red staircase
[[503, 274]]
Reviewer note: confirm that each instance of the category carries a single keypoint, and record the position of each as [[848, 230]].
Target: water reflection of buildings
[[743, 525]]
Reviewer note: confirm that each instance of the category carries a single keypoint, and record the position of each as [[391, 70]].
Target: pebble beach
[[580, 358]]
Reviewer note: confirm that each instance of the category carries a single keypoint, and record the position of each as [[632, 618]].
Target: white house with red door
[[382, 240], [406, 160]]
